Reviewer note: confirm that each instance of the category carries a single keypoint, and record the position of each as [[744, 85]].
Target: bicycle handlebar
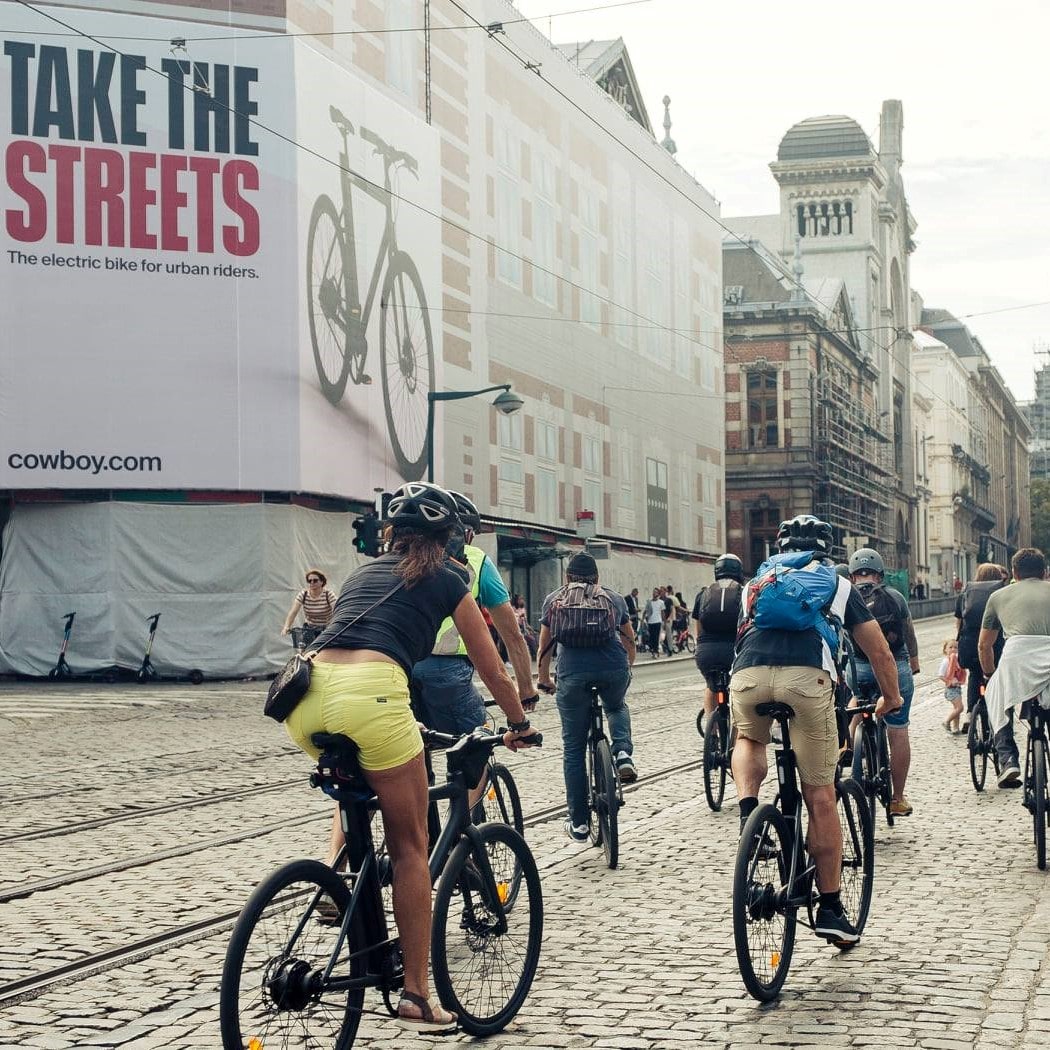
[[390, 155], [435, 741]]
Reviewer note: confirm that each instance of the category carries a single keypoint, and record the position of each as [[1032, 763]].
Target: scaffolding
[[854, 463]]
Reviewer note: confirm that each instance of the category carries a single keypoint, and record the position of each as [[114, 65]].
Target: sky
[[971, 78]]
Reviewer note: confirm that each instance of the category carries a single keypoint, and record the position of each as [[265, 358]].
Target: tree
[[1041, 514]]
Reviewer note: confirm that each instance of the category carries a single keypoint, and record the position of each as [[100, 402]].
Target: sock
[[747, 807], [831, 900]]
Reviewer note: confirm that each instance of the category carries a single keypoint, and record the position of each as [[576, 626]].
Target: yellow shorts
[[810, 691], [367, 702]]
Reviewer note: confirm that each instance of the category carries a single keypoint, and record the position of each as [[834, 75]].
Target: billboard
[[194, 290]]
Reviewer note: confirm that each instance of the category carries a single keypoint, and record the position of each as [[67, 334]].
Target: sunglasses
[[313, 579]]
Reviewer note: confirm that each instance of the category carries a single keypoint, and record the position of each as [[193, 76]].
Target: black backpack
[[974, 601], [719, 607], [886, 608]]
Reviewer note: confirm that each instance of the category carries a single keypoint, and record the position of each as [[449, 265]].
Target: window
[[590, 308], [825, 218], [763, 533], [508, 206], [592, 499], [546, 495], [762, 414], [625, 466], [623, 282], [656, 500], [400, 64], [592, 455], [510, 431], [544, 233], [546, 440]]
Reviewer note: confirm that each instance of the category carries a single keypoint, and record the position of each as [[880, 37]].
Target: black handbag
[[292, 681]]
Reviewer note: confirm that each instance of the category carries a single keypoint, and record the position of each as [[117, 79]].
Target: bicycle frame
[[359, 315], [1037, 717]]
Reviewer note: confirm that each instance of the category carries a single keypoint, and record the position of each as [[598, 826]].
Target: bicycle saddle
[[774, 709], [337, 747], [340, 121]]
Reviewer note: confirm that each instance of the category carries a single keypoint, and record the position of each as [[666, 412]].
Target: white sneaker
[[577, 832], [625, 768]]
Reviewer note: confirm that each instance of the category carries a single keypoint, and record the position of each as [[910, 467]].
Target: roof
[[817, 138], [607, 63], [952, 332]]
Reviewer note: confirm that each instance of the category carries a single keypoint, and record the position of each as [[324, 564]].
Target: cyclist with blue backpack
[[793, 614], [592, 629]]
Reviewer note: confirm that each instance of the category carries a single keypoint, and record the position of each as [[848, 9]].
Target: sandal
[[435, 1021]]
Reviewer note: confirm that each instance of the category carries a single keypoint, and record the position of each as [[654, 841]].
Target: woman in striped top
[[316, 603]]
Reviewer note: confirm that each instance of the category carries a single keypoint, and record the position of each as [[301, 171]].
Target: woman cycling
[[359, 687], [317, 603]]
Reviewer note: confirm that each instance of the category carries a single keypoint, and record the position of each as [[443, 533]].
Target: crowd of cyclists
[[406, 634]]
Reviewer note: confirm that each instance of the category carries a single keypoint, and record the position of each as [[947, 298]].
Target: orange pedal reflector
[[503, 889], [255, 1044], [775, 960]]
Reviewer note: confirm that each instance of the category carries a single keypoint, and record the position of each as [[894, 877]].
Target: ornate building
[[844, 202]]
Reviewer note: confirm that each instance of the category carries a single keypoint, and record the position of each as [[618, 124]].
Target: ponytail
[[421, 554]]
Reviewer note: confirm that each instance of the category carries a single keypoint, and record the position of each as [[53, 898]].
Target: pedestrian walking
[[954, 677], [654, 621]]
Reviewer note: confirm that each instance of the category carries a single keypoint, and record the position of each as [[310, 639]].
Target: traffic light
[[366, 534]]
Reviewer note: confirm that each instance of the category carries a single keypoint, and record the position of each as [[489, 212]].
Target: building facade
[[293, 237], [844, 201], [802, 432]]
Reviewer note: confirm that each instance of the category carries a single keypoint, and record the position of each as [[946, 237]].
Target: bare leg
[[749, 767], [335, 838], [825, 835], [709, 702], [900, 758], [403, 800]]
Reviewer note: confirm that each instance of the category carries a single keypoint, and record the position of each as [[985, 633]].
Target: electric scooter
[[147, 672], [62, 669]]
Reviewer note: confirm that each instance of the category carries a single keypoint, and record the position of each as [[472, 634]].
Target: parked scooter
[[147, 672], [61, 668]]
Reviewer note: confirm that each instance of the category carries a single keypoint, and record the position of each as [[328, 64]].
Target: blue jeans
[[574, 706], [866, 678], [444, 695]]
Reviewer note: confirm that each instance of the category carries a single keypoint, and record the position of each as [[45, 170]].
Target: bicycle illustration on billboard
[[339, 321]]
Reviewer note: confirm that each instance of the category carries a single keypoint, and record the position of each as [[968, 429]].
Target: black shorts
[[714, 657]]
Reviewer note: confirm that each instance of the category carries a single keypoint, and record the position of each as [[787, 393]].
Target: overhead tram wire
[[535, 67], [484, 238], [279, 35]]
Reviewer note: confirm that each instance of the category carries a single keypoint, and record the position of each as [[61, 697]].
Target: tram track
[[25, 988]]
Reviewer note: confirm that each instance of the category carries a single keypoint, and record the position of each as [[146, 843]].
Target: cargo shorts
[[810, 691]]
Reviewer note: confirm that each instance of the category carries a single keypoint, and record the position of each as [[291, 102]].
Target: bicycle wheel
[[763, 928], [858, 853], [280, 946], [716, 751], [406, 351], [502, 805], [605, 804], [326, 307], [885, 781], [1039, 801], [483, 969], [866, 764], [977, 741]]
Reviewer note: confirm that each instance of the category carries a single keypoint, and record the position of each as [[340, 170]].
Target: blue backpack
[[793, 592]]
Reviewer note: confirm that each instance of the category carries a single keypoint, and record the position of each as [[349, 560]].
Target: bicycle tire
[[463, 929], [977, 745], [866, 764], [502, 805], [690, 644], [1039, 801], [716, 752], [278, 888], [411, 454], [757, 883], [608, 803], [700, 723], [885, 776], [332, 379], [858, 854]]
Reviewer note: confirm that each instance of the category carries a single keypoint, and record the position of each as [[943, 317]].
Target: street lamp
[[506, 402]]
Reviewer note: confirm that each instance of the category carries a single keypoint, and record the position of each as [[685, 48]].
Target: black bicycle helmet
[[422, 506], [866, 560], [467, 510], [729, 567], [805, 533]]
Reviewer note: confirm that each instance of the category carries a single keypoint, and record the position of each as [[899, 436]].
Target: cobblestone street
[[130, 811]]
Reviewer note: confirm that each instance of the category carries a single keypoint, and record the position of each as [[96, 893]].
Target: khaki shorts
[[810, 692], [368, 702]]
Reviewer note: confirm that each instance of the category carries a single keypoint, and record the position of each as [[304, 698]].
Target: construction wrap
[[222, 577]]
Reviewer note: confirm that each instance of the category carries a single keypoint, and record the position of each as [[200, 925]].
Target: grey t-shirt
[[1021, 608]]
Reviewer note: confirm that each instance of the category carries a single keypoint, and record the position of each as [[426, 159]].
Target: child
[[954, 678]]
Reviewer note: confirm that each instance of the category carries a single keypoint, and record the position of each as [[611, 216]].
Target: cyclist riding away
[[717, 611], [969, 612], [1022, 613], [798, 666], [443, 683], [359, 688], [591, 627], [890, 609]]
